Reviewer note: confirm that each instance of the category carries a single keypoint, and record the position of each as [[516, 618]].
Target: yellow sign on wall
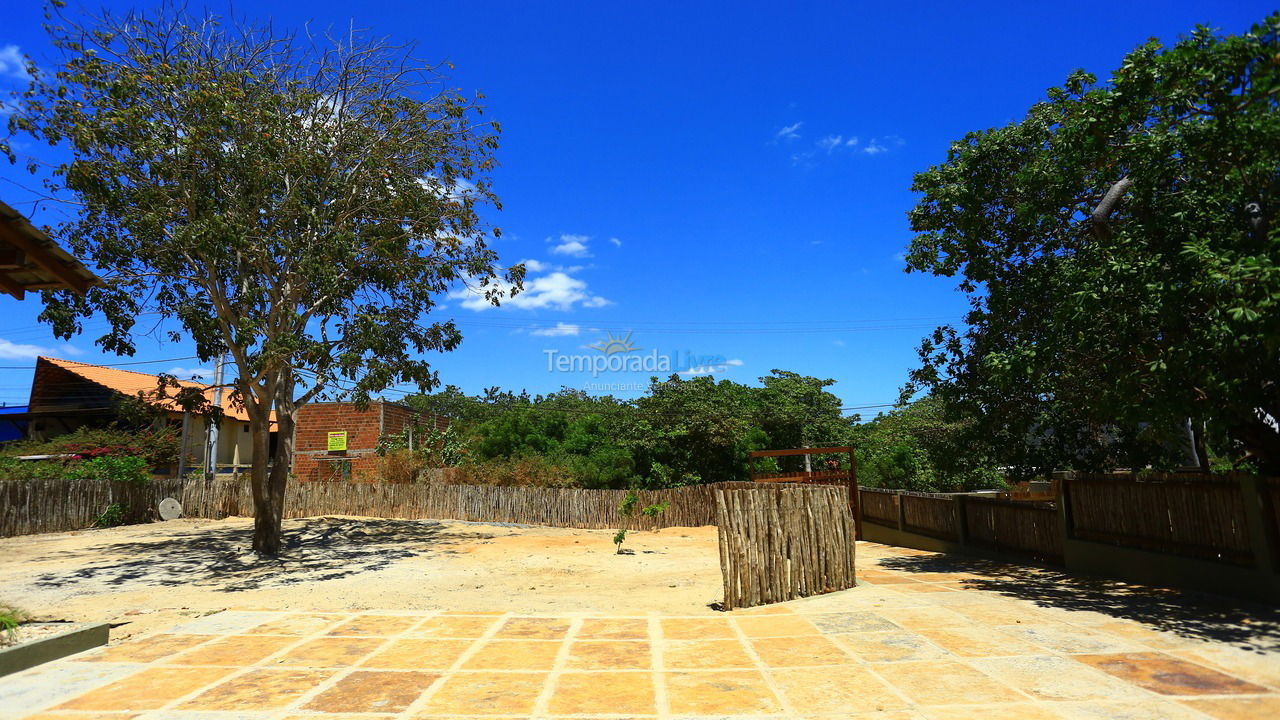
[[338, 441]]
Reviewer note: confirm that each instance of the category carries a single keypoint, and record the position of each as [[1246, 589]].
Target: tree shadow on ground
[[1189, 614], [315, 550]]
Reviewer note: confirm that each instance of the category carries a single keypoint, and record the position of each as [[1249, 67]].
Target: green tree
[[918, 447], [299, 205], [1120, 252]]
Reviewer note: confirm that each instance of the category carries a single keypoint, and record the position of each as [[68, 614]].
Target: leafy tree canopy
[[296, 202], [1121, 255]]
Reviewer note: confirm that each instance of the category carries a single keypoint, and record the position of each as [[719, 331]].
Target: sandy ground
[[148, 577]]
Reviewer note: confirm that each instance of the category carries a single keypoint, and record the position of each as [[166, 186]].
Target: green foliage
[[683, 432], [133, 470], [526, 470], [14, 469], [916, 447], [1095, 334], [113, 516], [10, 618], [157, 447], [299, 202], [618, 538]]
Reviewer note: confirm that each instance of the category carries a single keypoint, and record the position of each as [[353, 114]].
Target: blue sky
[[723, 180]]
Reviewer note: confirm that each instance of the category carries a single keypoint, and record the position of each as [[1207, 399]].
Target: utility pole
[[211, 443]]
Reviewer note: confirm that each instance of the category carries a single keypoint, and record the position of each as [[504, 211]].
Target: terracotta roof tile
[[129, 382]]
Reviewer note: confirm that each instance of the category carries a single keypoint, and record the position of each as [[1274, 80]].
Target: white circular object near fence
[[170, 509]]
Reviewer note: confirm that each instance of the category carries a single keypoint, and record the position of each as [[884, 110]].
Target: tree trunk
[[268, 504]]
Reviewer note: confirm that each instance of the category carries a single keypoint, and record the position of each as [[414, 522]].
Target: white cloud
[[561, 329], [555, 290], [191, 373], [831, 142], [790, 132], [533, 266], [12, 64], [875, 146], [838, 343], [571, 245], [616, 242], [852, 141], [19, 351]]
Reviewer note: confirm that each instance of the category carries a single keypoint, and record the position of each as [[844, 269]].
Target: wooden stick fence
[[784, 543], [41, 506]]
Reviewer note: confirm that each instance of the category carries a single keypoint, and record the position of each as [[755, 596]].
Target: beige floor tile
[[298, 624], [377, 625], [1151, 709], [696, 628], [234, 651], [615, 692], [1055, 678], [704, 654], [719, 693], [514, 655], [366, 691], [891, 646], [528, 628], [923, 617], [454, 626], [1004, 711], [843, 689], [614, 629], [979, 642], [333, 652], [945, 682], [149, 689], [145, 649], [776, 626], [799, 652], [1250, 708], [258, 689], [610, 655], [1069, 639], [419, 654], [851, 622], [471, 694], [77, 715]]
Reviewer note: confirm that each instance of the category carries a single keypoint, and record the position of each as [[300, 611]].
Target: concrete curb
[[37, 652]]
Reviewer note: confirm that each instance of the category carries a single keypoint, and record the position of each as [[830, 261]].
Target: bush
[[401, 466], [156, 447], [113, 516], [116, 469], [531, 471], [10, 618]]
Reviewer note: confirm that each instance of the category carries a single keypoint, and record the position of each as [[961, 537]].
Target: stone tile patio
[[924, 636]]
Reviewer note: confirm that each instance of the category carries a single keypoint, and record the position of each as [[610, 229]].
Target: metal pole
[[182, 448], [211, 446]]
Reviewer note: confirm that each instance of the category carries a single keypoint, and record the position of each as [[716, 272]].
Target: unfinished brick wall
[[312, 460]]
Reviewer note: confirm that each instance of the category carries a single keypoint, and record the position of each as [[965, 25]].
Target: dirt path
[[151, 576]]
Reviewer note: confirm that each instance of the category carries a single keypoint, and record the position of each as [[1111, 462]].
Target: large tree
[[298, 202], [1121, 254]]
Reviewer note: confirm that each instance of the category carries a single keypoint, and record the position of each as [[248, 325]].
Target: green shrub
[[10, 618], [134, 470], [113, 516], [157, 447]]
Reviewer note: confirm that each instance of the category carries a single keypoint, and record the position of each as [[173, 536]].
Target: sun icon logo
[[611, 344]]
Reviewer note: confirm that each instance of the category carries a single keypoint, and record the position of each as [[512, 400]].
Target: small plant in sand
[[628, 509], [10, 618]]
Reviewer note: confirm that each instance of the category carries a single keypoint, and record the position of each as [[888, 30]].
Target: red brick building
[[312, 458]]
